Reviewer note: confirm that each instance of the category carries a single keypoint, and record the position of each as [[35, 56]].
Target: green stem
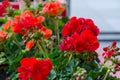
[[106, 74], [40, 48], [17, 42], [43, 45], [7, 49], [70, 58], [57, 30]]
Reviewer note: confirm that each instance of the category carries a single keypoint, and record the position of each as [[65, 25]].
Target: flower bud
[[105, 48], [114, 72], [85, 72], [29, 44], [118, 63], [116, 66], [37, 11], [75, 75], [118, 53], [78, 78], [3, 35], [114, 43], [116, 49], [88, 58]]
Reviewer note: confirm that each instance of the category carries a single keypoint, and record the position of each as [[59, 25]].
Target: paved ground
[[105, 13]]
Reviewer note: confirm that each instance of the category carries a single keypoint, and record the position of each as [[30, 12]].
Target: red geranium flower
[[80, 42], [67, 44], [78, 25], [26, 21], [34, 69], [90, 40], [53, 8]]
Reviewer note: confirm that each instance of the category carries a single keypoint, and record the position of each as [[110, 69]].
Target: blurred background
[[105, 13]]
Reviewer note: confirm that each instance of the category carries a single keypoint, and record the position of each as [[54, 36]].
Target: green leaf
[[52, 75]]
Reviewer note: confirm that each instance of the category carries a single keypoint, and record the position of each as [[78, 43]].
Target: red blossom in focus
[[3, 35], [53, 8], [78, 25], [34, 69], [90, 40], [29, 44], [80, 42]]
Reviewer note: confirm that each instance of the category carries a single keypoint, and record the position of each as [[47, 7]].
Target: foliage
[[38, 39]]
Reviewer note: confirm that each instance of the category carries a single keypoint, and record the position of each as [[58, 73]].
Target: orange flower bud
[[43, 28], [47, 33], [3, 35], [29, 44]]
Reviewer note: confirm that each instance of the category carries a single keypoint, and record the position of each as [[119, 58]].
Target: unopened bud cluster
[[111, 51], [80, 74], [110, 54]]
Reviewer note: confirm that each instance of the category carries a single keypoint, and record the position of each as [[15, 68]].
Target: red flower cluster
[[78, 25], [53, 8], [111, 50], [34, 69], [25, 21], [3, 35], [80, 34], [80, 42], [5, 4]]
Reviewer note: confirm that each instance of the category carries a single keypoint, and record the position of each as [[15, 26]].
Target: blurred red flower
[[34, 69], [5, 3], [53, 8]]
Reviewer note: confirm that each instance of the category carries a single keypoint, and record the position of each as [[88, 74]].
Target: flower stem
[[106, 74], [45, 50], [7, 49], [57, 30], [17, 42], [40, 48], [70, 58]]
